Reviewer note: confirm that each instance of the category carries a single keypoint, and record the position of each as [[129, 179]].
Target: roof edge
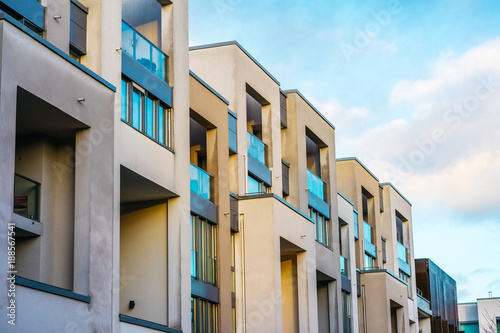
[[397, 191], [310, 104], [206, 85], [233, 42], [360, 163]]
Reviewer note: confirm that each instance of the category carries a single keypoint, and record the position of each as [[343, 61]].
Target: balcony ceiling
[[35, 116]]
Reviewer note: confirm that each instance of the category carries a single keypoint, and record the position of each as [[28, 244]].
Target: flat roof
[[233, 42], [310, 104]]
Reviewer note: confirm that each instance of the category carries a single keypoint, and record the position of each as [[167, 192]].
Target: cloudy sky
[[413, 88]]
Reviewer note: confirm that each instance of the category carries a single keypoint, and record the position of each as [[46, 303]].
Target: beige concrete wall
[[290, 306], [214, 110], [60, 84], [143, 253], [228, 70]]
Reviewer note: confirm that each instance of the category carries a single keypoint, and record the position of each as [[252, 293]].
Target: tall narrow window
[[136, 109], [149, 117], [203, 250], [203, 316], [124, 100]]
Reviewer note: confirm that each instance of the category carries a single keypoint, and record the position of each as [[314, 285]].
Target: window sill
[[21, 281]]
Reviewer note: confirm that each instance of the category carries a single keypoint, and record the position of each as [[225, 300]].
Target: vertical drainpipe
[[363, 300], [244, 310]]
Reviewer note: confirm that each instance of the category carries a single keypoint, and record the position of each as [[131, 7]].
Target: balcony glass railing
[[367, 230], [201, 183], [344, 265], [257, 149], [316, 185], [143, 51], [402, 252], [26, 197]]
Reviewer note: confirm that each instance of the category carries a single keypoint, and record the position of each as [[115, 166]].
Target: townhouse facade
[[106, 116], [482, 316]]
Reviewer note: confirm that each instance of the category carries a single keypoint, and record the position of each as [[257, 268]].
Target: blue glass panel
[[356, 232], [124, 100], [143, 51], [344, 266], [253, 186], [200, 182], [315, 184], [367, 230], [161, 125], [256, 148], [402, 252], [136, 109], [149, 117]]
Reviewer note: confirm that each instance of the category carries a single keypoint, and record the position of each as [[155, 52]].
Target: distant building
[[482, 316], [436, 288]]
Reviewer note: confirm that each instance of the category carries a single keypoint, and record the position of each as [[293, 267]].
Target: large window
[[203, 250], [323, 227], [346, 311], [257, 187], [369, 262], [146, 113], [203, 316]]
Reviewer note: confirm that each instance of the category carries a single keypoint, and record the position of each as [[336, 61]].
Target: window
[[346, 311], [77, 29], [257, 187], [369, 262], [146, 113], [203, 250], [406, 278], [323, 227], [470, 327], [203, 316]]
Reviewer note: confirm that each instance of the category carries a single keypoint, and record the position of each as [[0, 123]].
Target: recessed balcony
[[201, 183], [344, 266], [257, 149], [144, 52], [316, 185]]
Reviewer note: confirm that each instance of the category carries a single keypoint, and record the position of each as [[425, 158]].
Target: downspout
[[363, 300], [244, 293]]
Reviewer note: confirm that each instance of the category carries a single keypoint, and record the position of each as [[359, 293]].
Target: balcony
[[257, 149], [144, 52], [404, 259], [315, 185], [423, 304], [31, 10], [344, 266], [27, 197], [201, 183], [368, 237]]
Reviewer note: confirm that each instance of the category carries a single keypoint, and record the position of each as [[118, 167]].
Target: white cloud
[[447, 150]]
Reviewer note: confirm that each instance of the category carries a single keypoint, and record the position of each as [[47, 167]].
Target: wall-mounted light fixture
[[131, 305]]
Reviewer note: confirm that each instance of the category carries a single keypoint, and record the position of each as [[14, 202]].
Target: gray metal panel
[[204, 290], [346, 283], [233, 204], [78, 38], [29, 9], [322, 207], [153, 84], [285, 171], [78, 15], [203, 207], [283, 114], [259, 170]]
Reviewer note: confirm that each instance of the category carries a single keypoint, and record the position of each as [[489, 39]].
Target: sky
[[413, 89]]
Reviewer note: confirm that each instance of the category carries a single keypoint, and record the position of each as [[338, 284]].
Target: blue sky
[[413, 88]]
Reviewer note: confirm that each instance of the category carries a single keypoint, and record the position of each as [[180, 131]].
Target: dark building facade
[[440, 290]]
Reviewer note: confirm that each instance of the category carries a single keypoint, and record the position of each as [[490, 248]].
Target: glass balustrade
[[201, 182], [143, 51], [316, 185], [257, 149], [344, 266]]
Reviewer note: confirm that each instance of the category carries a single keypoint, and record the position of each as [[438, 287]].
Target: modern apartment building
[[106, 116], [281, 181], [437, 298], [93, 175], [482, 316], [383, 250]]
